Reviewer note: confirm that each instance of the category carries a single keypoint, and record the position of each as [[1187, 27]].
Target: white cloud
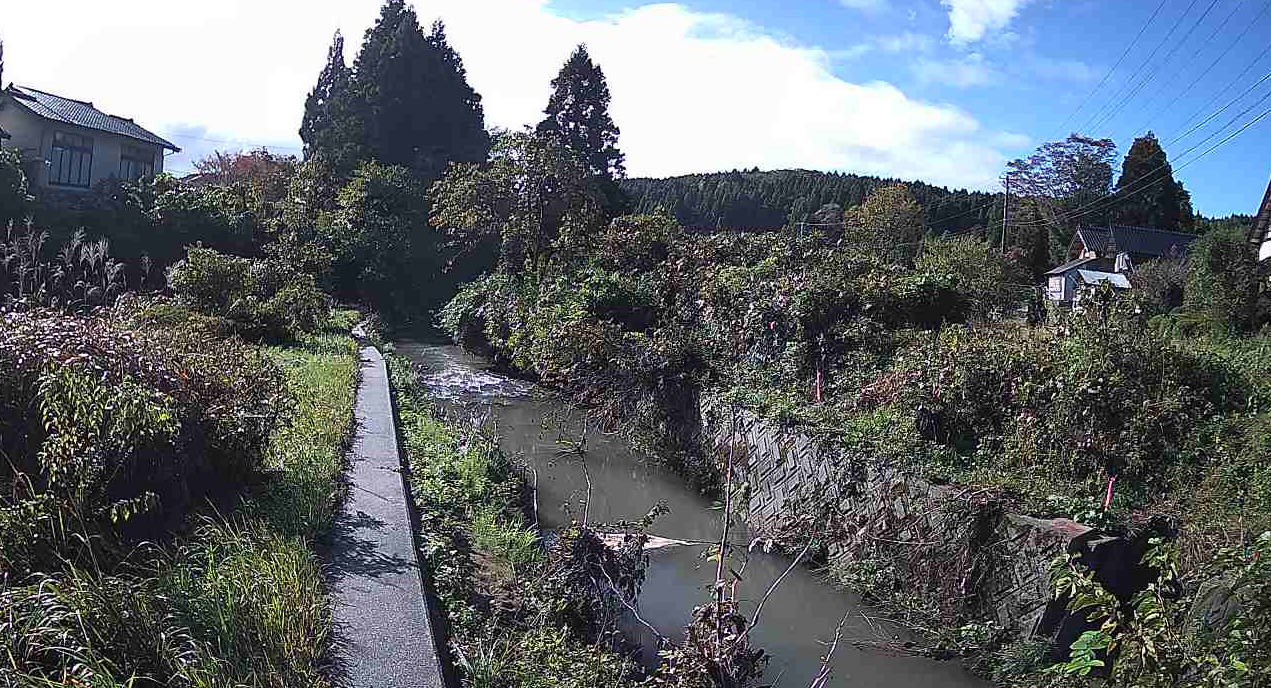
[[907, 42], [865, 5], [963, 72], [691, 91], [970, 20], [1064, 70]]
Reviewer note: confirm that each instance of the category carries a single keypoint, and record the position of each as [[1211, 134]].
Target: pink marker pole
[[1107, 499]]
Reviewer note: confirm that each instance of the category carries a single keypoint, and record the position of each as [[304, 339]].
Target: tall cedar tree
[[414, 95], [1147, 195], [578, 113], [332, 128]]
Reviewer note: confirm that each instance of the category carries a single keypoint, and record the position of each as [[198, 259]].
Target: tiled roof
[[1069, 265], [82, 114], [1143, 240]]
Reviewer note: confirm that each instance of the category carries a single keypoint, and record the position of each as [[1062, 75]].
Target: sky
[[945, 91]]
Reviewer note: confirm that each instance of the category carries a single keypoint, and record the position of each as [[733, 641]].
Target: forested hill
[[757, 200]]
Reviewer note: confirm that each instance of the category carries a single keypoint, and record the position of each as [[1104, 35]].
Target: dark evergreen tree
[[332, 127], [1147, 194], [578, 114], [419, 110]]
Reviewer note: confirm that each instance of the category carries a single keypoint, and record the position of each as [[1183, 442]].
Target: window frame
[[136, 156], [63, 153]]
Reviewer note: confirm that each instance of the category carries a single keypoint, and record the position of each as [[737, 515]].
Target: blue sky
[[941, 90]]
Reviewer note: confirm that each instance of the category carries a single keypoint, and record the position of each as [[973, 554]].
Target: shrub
[[14, 200], [1224, 281], [267, 300], [103, 423], [985, 279]]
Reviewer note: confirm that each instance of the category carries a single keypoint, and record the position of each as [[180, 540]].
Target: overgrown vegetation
[[131, 435]]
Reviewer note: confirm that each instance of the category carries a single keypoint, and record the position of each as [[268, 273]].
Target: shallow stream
[[798, 620]]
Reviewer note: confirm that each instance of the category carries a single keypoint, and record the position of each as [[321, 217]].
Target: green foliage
[[987, 280], [536, 197], [578, 113], [102, 422], [558, 631], [14, 201], [1224, 281], [1210, 628], [750, 200], [266, 300], [238, 603], [1151, 196], [889, 217]]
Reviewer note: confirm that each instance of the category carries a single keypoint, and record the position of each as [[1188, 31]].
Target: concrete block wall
[[1008, 565]]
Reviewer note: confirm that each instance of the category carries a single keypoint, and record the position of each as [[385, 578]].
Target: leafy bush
[[14, 201], [266, 299], [1224, 281], [987, 280], [103, 423]]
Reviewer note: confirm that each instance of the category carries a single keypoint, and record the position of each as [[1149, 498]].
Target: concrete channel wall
[[957, 545]]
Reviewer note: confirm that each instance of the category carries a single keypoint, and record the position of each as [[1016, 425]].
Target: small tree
[[889, 220]]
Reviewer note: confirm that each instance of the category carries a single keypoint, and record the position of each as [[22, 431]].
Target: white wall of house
[[33, 137]]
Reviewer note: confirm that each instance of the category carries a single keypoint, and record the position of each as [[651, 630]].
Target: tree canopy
[[406, 101], [578, 114], [1147, 194]]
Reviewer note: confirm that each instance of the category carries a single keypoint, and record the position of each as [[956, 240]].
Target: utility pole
[[1006, 202]]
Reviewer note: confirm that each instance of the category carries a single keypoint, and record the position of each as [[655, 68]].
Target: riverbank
[[236, 596], [518, 615]]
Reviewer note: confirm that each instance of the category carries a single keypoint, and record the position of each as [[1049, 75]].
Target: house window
[[71, 160], [135, 163]]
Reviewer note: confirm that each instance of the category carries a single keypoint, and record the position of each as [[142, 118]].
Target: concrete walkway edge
[[383, 626]]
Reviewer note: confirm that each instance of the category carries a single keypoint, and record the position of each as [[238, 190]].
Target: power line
[[1231, 83], [1210, 118], [1150, 76], [1105, 78], [1090, 207], [1230, 44]]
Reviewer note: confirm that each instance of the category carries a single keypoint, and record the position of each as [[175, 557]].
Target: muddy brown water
[[799, 619]]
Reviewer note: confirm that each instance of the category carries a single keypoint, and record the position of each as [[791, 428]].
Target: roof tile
[[1143, 240], [80, 113]]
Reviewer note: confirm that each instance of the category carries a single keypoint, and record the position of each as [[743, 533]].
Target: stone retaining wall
[[988, 563]]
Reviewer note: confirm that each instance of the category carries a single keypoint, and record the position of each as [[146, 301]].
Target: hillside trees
[[1147, 194], [750, 200]]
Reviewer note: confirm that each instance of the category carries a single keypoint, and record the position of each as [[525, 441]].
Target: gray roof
[[1097, 277], [1142, 240], [81, 113], [1070, 265]]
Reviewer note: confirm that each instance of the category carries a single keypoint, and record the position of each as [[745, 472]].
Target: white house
[[71, 145]]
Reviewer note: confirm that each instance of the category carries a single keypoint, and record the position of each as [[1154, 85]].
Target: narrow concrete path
[[384, 637]]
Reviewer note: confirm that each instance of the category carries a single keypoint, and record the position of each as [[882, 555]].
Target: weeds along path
[[383, 633]]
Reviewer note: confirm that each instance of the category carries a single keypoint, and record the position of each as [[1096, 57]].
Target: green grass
[[477, 544], [241, 600]]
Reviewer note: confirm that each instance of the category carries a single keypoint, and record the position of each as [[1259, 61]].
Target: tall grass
[[240, 600]]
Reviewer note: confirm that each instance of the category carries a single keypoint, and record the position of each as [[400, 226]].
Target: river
[[798, 620]]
